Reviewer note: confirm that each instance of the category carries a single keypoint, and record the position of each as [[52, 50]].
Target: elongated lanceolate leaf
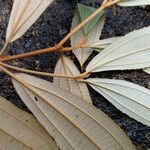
[[89, 33], [65, 66], [102, 44], [134, 2], [128, 52], [21, 131], [131, 99], [81, 124], [24, 14]]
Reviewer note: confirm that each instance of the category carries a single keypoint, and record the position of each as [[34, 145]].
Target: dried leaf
[[134, 2], [128, 52], [87, 35], [65, 66], [20, 131], [24, 14], [131, 99], [80, 123]]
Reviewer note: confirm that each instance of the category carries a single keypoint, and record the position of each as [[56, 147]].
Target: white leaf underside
[[82, 54], [21, 131], [24, 14], [128, 52], [65, 66], [80, 123], [131, 99], [102, 44], [147, 70], [134, 3], [47, 119]]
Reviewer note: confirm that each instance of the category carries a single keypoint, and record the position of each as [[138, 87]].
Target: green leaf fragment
[[86, 11]]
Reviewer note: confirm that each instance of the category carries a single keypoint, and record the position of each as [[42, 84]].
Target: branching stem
[[84, 75], [42, 51], [35, 72], [58, 47]]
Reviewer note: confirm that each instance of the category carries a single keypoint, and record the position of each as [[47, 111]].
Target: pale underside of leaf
[[134, 2], [128, 52], [83, 126], [65, 133], [92, 36], [65, 66], [20, 130], [131, 99], [55, 130], [102, 44], [7, 142], [147, 70], [24, 14]]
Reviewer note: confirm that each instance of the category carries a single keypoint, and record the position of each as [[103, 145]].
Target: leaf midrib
[[116, 48], [23, 123], [81, 111]]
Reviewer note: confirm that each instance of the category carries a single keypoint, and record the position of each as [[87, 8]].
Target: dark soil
[[52, 26]]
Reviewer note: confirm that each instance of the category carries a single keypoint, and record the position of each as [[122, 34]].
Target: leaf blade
[[65, 66], [24, 14], [147, 70], [127, 97], [22, 128], [102, 44], [82, 110], [93, 35], [128, 52], [84, 12], [128, 3]]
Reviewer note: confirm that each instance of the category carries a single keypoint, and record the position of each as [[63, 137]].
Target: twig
[[105, 4], [13, 76], [36, 72], [81, 76], [42, 51]]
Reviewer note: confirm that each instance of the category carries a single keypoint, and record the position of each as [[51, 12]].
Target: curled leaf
[[131, 99], [20, 131], [81, 124], [65, 66]]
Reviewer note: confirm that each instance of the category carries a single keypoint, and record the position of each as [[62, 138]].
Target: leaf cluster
[[65, 116]]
